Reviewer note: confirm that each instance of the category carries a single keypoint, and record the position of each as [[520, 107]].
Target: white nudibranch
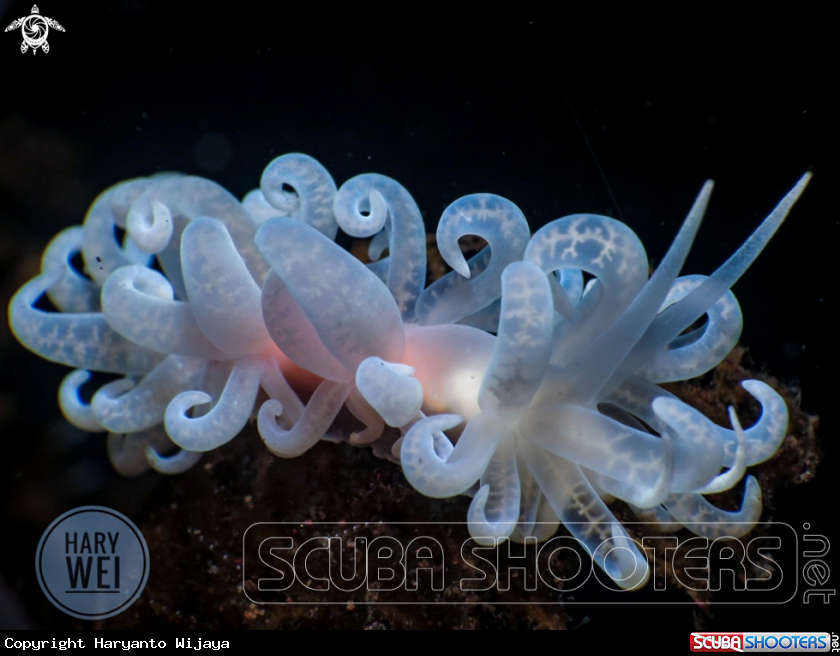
[[552, 385]]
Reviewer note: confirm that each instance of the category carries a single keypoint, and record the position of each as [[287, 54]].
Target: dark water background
[[604, 109]]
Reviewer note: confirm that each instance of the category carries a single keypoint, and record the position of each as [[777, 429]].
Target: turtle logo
[[35, 29]]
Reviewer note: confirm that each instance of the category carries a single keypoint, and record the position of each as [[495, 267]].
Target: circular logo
[[92, 562], [35, 29]]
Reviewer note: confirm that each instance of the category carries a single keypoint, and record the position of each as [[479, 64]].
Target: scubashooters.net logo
[[346, 562], [763, 642], [35, 29]]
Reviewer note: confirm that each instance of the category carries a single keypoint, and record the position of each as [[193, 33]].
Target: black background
[[606, 108]]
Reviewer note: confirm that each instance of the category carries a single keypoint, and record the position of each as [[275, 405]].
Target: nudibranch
[[508, 379]]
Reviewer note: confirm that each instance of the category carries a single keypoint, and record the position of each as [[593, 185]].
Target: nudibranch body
[[509, 378]]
